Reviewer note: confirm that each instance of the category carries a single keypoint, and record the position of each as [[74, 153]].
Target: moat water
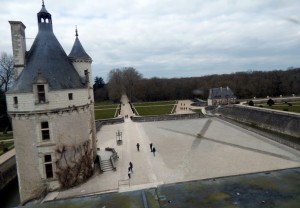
[[9, 196]]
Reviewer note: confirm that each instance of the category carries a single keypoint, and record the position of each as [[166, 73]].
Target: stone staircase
[[106, 165]]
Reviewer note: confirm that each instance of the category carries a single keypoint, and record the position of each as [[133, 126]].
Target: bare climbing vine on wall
[[74, 164]]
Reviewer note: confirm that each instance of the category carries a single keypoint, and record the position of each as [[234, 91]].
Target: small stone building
[[51, 106], [221, 96]]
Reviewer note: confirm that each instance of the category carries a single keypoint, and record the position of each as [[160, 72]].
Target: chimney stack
[[19, 45]]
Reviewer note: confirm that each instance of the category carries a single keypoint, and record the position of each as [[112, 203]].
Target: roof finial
[[43, 3], [76, 31]]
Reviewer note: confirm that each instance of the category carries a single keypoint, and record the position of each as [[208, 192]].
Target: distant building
[[221, 96], [52, 109]]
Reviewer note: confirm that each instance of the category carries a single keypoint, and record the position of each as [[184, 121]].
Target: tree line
[[245, 85]]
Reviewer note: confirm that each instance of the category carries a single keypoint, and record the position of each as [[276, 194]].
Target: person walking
[[138, 147], [130, 167], [153, 150], [151, 147], [129, 173]]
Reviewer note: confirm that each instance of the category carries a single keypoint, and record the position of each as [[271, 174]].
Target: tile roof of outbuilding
[[221, 92]]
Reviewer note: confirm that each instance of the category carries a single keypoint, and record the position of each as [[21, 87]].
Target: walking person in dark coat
[[138, 147], [130, 166], [153, 150], [151, 147]]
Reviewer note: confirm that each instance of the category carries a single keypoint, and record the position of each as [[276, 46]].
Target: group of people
[[152, 148], [130, 171]]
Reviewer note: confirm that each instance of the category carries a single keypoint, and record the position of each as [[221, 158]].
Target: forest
[[245, 85]]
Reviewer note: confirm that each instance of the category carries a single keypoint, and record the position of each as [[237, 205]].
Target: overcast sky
[[169, 38]]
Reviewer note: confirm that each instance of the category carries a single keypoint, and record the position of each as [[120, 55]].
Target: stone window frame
[[45, 131], [47, 164], [42, 83], [41, 93], [16, 102], [70, 96]]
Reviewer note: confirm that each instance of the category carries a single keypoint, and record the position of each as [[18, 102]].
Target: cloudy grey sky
[[169, 38]]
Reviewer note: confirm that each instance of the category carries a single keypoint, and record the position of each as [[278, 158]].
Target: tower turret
[[44, 19], [81, 61]]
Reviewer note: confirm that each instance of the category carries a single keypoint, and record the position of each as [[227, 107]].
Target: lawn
[[104, 114], [6, 145], [106, 106], [6, 136], [197, 110], [154, 110], [172, 102], [293, 107], [105, 110]]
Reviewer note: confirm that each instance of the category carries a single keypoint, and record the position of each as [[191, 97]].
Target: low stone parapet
[[166, 117], [276, 121], [101, 122]]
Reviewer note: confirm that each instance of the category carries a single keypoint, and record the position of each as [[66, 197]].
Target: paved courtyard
[[186, 150]]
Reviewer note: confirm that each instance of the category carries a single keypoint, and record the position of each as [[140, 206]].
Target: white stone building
[[221, 96], [51, 106]]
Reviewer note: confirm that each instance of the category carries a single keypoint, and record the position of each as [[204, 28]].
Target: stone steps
[[106, 165]]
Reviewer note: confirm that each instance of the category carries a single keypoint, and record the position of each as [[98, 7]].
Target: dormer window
[[40, 89], [41, 93]]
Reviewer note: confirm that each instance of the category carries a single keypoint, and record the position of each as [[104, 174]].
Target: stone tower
[[51, 106]]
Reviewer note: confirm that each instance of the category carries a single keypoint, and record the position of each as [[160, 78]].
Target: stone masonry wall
[[57, 99], [166, 117], [281, 122]]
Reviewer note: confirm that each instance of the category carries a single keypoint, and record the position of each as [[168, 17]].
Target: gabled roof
[[78, 51], [47, 58], [220, 93]]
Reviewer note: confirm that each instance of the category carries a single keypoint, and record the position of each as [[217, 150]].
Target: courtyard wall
[[166, 117], [277, 121]]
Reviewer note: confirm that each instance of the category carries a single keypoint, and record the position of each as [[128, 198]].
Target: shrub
[[270, 102], [251, 103]]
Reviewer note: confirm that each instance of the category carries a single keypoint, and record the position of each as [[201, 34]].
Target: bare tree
[[123, 80], [115, 88], [6, 71], [131, 77]]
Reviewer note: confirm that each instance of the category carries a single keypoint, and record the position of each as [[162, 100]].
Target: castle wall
[[277, 121], [57, 100], [69, 128]]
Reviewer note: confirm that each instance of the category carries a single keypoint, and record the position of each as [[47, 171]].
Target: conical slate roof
[[78, 51], [47, 58], [43, 9]]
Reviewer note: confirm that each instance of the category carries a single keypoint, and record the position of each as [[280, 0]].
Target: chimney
[[19, 45]]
